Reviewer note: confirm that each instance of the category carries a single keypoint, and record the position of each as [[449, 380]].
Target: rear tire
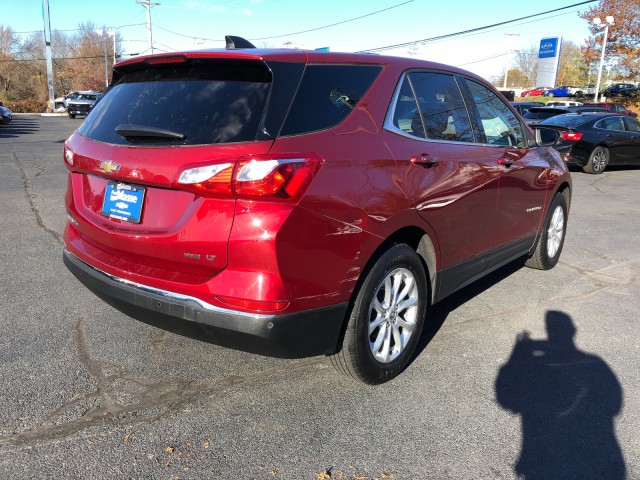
[[549, 247], [386, 319], [598, 161], [72, 115]]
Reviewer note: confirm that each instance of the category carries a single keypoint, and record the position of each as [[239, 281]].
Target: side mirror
[[545, 136]]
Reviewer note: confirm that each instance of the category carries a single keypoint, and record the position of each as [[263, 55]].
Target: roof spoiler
[[234, 42]]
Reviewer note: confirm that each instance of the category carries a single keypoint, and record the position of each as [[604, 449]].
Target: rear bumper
[[293, 335]]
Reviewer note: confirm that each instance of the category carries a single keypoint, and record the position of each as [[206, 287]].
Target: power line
[[294, 33], [334, 24], [449, 35]]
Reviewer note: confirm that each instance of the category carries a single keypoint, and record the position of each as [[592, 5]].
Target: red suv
[[305, 203]]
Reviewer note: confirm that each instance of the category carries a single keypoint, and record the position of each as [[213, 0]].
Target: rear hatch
[[139, 199]]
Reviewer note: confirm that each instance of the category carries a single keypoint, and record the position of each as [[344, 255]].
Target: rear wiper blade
[[142, 131]]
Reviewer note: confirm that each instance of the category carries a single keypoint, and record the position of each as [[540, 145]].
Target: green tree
[[572, 68]]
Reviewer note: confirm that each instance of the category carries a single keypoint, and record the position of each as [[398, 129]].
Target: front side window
[[498, 122], [429, 105]]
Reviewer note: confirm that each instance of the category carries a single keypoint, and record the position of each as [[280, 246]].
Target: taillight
[[284, 177], [68, 155], [209, 179], [571, 136]]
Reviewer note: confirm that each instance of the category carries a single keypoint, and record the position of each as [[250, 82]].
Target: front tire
[[386, 319], [72, 115], [549, 247], [598, 161]]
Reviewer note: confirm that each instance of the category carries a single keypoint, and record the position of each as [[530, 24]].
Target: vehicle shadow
[[567, 400], [18, 126], [441, 310], [610, 168]]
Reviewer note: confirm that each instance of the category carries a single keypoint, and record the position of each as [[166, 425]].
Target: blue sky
[[198, 24]]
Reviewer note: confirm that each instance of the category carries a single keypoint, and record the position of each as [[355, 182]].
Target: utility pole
[[47, 48], [148, 4]]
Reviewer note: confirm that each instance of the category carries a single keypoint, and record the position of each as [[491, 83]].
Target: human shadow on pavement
[[567, 400]]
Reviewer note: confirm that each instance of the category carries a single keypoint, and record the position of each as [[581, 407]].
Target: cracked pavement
[[88, 392]]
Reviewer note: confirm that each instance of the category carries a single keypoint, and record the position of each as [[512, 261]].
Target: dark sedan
[[595, 140], [535, 115]]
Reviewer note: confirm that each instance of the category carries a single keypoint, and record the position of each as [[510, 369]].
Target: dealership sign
[[548, 59]]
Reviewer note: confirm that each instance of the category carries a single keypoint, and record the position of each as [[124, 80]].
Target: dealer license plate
[[123, 201]]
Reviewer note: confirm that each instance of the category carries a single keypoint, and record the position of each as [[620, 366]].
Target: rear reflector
[[254, 305]]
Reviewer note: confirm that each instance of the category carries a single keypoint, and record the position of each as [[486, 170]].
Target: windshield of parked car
[[203, 102]]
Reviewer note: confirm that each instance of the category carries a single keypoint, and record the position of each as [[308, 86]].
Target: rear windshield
[[535, 114], [570, 120], [203, 102]]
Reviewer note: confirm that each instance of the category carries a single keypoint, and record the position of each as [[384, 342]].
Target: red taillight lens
[[571, 136], [278, 177]]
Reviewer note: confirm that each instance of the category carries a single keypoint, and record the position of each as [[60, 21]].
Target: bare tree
[[526, 61], [9, 46]]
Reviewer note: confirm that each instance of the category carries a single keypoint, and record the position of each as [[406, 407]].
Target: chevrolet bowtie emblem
[[109, 167]]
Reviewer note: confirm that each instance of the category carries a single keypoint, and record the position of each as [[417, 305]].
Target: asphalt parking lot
[[525, 372]]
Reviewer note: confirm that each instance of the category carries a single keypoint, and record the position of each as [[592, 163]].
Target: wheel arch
[[417, 239]]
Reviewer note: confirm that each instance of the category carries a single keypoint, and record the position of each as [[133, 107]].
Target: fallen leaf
[[206, 445], [170, 449]]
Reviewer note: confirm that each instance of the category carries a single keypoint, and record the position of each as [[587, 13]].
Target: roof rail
[[234, 42]]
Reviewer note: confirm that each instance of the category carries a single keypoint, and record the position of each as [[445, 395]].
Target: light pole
[[106, 34], [598, 22]]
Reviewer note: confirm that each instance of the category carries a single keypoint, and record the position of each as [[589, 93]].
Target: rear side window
[[204, 101], [610, 123], [327, 94]]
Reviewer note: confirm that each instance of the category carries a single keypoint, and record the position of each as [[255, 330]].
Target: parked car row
[[534, 112], [568, 91]]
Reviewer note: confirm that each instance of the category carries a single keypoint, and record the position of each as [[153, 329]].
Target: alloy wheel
[[393, 315]]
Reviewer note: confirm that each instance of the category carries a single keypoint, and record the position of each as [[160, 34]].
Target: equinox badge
[[109, 167]]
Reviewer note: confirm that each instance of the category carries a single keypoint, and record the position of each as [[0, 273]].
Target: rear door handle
[[425, 160]]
